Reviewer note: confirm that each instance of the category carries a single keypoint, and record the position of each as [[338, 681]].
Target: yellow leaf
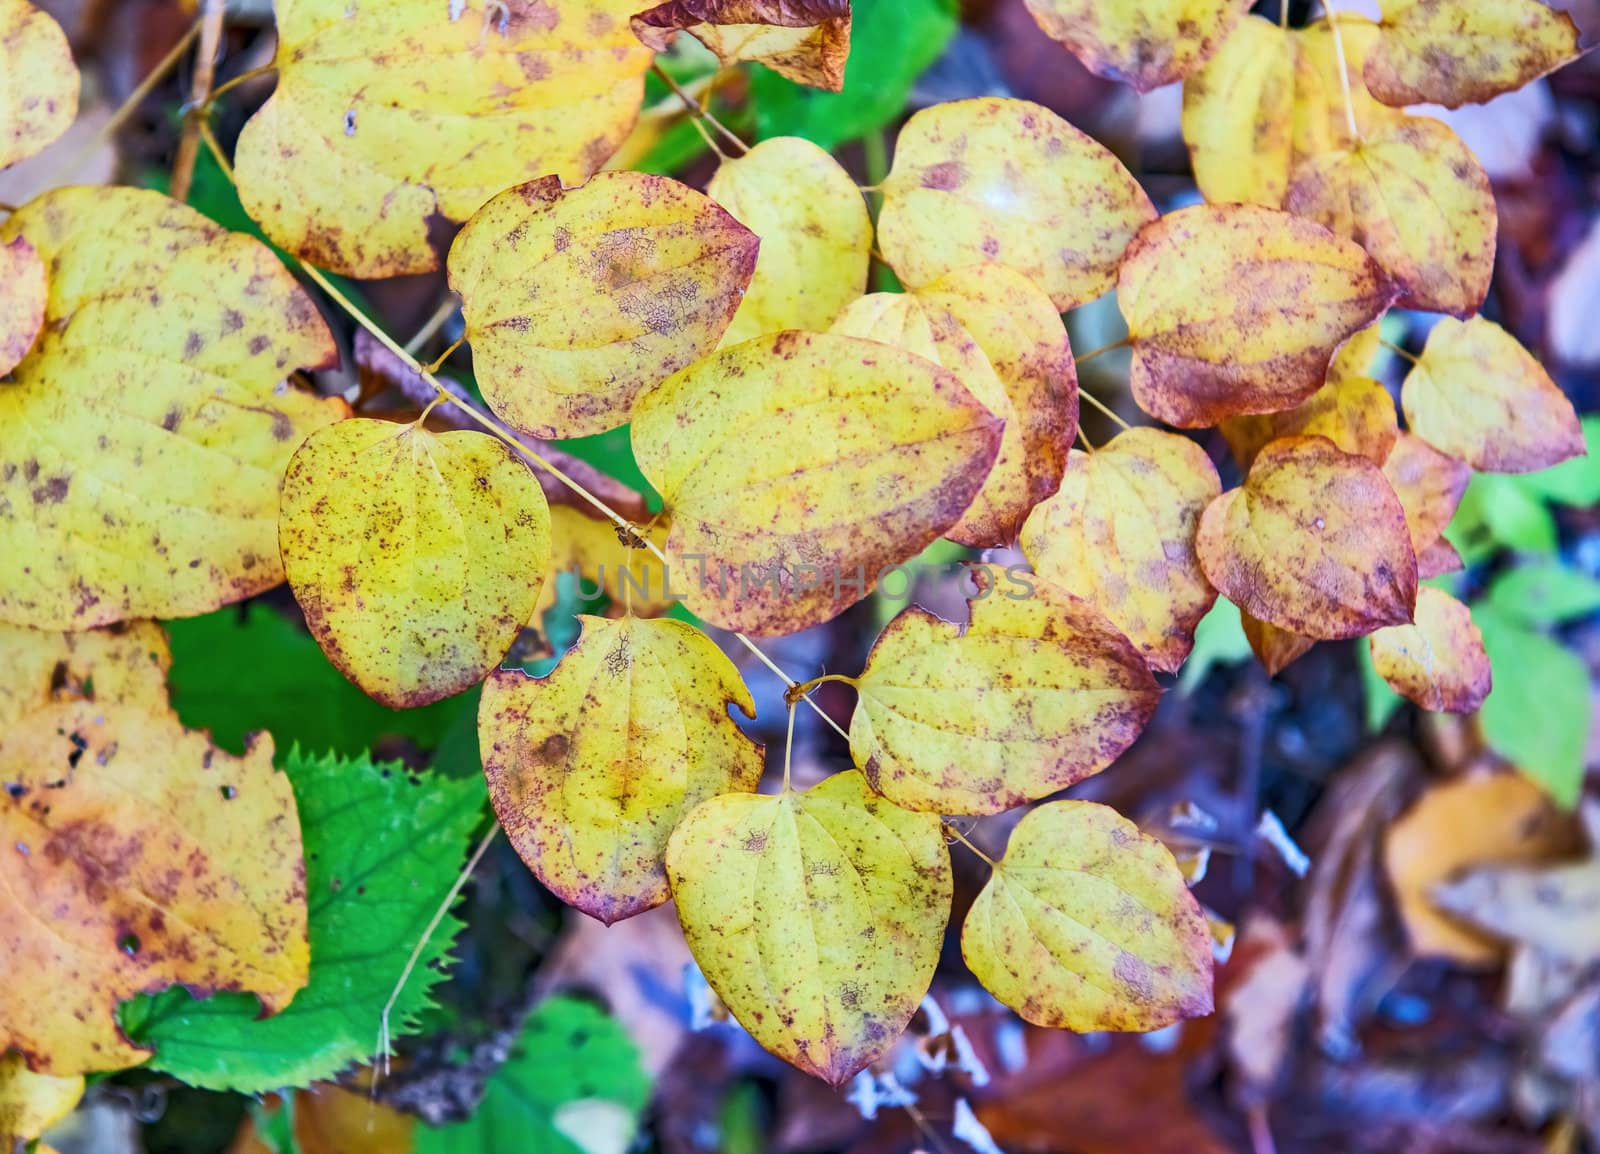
[[1002, 337], [1480, 397], [1087, 924], [1455, 52], [1322, 75], [387, 115], [1355, 413], [816, 917], [591, 767], [38, 81], [1146, 44], [1275, 648], [22, 308], [894, 449], [32, 1103], [1315, 543], [944, 710], [1120, 534], [1238, 116], [1356, 356], [576, 299], [1236, 309], [416, 557], [1438, 663], [140, 857], [1469, 822], [1429, 484], [588, 546], [1008, 182], [120, 665], [815, 235], [1416, 198], [807, 41], [148, 430]]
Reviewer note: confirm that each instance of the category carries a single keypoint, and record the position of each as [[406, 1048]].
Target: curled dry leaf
[[121, 664], [1430, 486], [816, 917], [1479, 396], [1438, 662], [1237, 309], [1087, 924], [38, 81], [1494, 819], [32, 1103], [22, 307], [1275, 648], [591, 767], [416, 557], [147, 431], [943, 711], [1355, 413], [1002, 337], [807, 41], [1455, 52], [1147, 44], [575, 299], [128, 833], [896, 449], [1009, 182], [1415, 197], [815, 235], [1314, 542], [1120, 534], [387, 116]]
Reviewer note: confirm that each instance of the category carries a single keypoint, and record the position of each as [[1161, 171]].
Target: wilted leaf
[[895, 449], [815, 235], [1438, 663], [1236, 309], [816, 917], [1429, 484], [576, 299], [807, 41], [1538, 715], [1275, 648], [1485, 820], [1008, 182], [142, 857], [1413, 195], [1120, 534], [1002, 337], [383, 848], [1087, 924], [1238, 116], [388, 115], [1314, 542], [416, 557], [120, 665], [1355, 413], [1479, 396], [1455, 52], [22, 308], [944, 710], [1147, 44], [148, 429], [32, 1103], [591, 767], [38, 81]]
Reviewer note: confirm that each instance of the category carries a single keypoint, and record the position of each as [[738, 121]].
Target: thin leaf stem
[[135, 98], [447, 309], [242, 78], [1088, 445], [808, 686], [438, 361], [1103, 349], [1104, 408], [788, 748], [1344, 69], [699, 111], [950, 827], [205, 73], [1399, 352]]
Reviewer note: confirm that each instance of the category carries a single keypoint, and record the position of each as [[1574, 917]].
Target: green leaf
[[1379, 699], [573, 1085], [1218, 640], [1573, 482], [1511, 517], [1549, 594], [1537, 715], [234, 673], [275, 1127], [891, 43], [383, 847]]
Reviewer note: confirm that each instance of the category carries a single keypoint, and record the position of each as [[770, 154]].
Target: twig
[[698, 111], [205, 72], [135, 98]]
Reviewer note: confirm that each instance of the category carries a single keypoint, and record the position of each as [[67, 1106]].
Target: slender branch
[[699, 111], [1344, 70], [205, 74], [1102, 350], [441, 315], [1088, 445], [1104, 408], [135, 98]]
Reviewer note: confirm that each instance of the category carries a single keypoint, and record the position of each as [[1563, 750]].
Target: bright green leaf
[[1545, 594]]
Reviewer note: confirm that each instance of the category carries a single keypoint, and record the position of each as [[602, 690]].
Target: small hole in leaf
[[129, 944], [229, 793]]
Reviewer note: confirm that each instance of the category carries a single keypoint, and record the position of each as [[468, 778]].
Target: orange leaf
[[1438, 559], [1439, 662], [1355, 413], [1429, 484], [1315, 542], [807, 41], [1275, 648]]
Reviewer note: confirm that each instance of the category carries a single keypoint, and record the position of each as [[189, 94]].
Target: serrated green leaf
[[237, 672], [573, 1085], [1537, 716], [382, 847], [1545, 594]]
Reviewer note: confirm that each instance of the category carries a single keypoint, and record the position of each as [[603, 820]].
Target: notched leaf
[[1147, 44], [576, 299], [38, 81], [1438, 663], [807, 41], [1455, 52]]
